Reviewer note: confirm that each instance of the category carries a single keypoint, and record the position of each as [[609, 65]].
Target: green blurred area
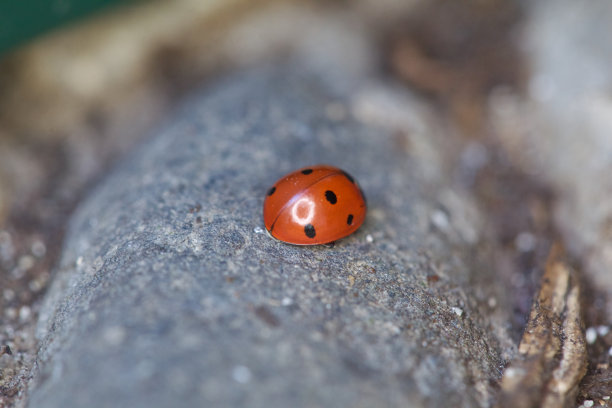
[[22, 20]]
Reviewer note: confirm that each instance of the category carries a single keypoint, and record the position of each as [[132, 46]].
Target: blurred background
[[523, 88]]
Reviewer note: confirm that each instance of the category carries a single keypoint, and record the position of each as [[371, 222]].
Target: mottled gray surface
[[560, 132], [170, 294]]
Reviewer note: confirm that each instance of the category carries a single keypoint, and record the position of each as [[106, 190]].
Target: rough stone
[[169, 292]]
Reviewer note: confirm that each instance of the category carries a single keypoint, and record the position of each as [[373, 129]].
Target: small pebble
[[492, 302], [286, 301], [38, 249], [606, 398], [458, 311], [8, 294], [26, 262], [24, 313], [35, 285], [258, 230], [591, 335], [588, 403], [512, 372], [10, 313], [114, 335], [440, 220], [603, 330], [369, 238], [17, 273], [525, 242], [241, 374], [610, 352]]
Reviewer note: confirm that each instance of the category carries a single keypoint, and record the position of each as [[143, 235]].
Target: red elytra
[[314, 205]]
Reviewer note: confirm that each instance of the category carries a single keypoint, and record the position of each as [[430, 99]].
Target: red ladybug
[[314, 205]]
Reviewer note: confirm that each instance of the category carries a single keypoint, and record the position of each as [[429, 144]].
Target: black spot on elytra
[[306, 171], [348, 176], [331, 197], [309, 230], [349, 220], [271, 191]]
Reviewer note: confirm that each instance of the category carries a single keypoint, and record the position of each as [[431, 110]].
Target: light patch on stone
[[241, 374], [440, 220], [24, 313], [114, 335], [525, 241]]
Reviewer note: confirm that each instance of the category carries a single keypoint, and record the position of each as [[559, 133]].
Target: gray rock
[[170, 294]]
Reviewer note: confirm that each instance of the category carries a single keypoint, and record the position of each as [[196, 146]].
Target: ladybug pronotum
[[314, 205]]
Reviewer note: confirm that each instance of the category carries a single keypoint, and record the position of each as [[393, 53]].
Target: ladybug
[[314, 205]]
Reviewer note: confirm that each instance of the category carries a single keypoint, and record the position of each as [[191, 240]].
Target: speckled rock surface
[[169, 292]]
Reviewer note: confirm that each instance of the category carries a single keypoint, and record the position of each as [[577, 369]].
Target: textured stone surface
[[169, 292]]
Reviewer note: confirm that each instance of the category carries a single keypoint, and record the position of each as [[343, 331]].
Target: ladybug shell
[[314, 205]]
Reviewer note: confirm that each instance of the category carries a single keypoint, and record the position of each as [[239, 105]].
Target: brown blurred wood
[[551, 358]]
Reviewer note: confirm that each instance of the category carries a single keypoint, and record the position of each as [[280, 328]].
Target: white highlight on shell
[[303, 205]]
